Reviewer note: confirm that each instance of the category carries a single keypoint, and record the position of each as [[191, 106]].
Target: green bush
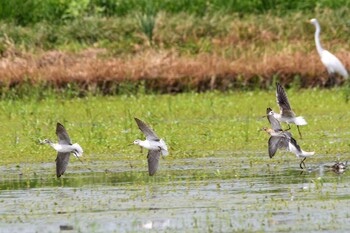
[[25, 12]]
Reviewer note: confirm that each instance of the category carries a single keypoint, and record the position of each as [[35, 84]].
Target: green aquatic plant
[[193, 125]]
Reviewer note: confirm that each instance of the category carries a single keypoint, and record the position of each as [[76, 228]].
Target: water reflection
[[158, 224]]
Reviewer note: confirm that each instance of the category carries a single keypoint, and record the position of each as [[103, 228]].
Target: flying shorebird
[[286, 113], [283, 140], [331, 62], [154, 145], [279, 139], [64, 147]]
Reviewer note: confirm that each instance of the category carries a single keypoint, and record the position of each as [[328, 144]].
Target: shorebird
[[295, 148], [279, 139], [64, 147], [286, 113], [331, 62], [339, 167], [283, 140], [154, 145]]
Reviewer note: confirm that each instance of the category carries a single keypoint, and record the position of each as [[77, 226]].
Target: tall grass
[[187, 32]]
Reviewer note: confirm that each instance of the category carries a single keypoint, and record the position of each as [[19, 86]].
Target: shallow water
[[217, 178], [218, 194]]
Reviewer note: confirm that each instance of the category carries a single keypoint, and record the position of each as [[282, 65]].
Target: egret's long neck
[[317, 39]]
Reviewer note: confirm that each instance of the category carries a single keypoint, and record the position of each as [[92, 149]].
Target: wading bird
[[64, 147], [154, 145], [339, 167], [331, 62], [282, 139], [286, 113], [279, 139]]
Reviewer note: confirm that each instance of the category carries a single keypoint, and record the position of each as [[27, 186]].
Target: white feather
[[164, 148], [77, 147], [299, 153], [300, 120], [333, 64]]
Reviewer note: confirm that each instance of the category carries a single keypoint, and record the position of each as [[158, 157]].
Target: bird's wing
[[61, 163], [282, 99], [287, 134], [273, 145], [148, 132], [153, 161], [275, 124], [62, 135], [333, 64], [284, 142]]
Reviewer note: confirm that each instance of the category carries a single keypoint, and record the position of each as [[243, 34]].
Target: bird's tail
[[78, 150], [300, 121], [306, 154], [164, 148]]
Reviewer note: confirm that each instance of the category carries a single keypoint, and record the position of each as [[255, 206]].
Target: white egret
[[331, 62]]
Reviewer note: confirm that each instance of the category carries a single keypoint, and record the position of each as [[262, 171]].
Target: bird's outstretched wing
[[278, 142], [282, 100], [61, 163], [153, 161], [275, 124], [273, 145], [62, 135], [147, 131]]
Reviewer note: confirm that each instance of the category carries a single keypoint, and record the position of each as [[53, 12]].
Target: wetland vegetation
[[94, 65], [218, 164], [100, 47]]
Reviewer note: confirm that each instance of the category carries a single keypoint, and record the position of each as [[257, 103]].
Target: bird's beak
[[130, 144], [262, 129]]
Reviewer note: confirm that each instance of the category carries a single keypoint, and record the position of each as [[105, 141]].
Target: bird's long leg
[[288, 128], [80, 160], [299, 132], [84, 163], [331, 80], [302, 162]]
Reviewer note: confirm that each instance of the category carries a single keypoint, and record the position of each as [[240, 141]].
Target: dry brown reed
[[163, 70]]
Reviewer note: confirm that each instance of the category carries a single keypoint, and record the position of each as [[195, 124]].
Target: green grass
[[194, 125], [218, 33]]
